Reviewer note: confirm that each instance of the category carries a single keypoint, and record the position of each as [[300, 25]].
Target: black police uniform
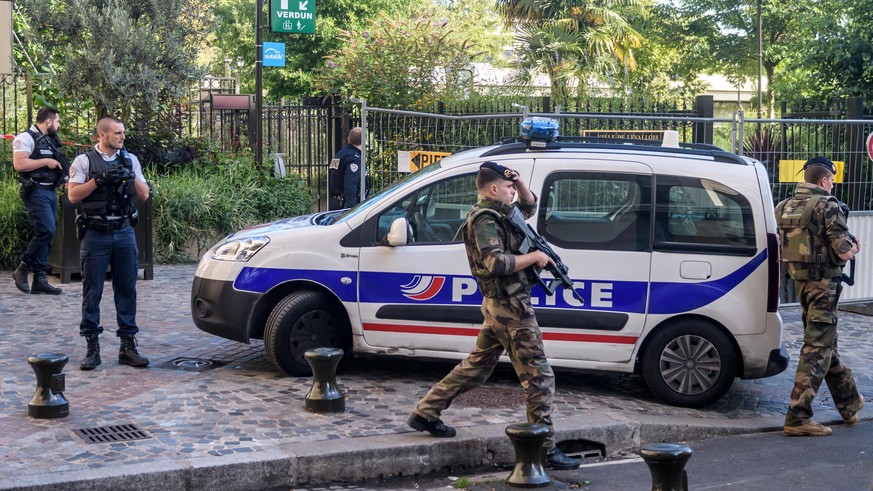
[[344, 178], [38, 192], [109, 241]]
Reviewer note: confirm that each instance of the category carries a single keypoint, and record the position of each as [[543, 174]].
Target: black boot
[[556, 459], [20, 277], [41, 284], [436, 428], [92, 357], [128, 355]]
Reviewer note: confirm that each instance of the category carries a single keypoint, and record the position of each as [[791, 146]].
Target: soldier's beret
[[502, 172], [821, 162]]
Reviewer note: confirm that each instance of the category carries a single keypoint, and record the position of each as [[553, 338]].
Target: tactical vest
[[42, 149], [108, 200], [806, 250], [491, 285]]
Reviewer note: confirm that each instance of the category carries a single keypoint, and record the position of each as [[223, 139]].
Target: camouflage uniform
[[813, 232], [509, 324]]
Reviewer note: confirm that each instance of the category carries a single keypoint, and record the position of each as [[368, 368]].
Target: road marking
[[614, 462]]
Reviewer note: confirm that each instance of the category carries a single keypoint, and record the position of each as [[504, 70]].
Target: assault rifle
[[844, 278], [534, 241], [58, 155]]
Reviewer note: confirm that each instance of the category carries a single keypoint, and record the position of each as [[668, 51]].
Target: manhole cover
[[113, 433], [191, 364]]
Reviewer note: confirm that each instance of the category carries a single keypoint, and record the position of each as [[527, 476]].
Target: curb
[[380, 457]]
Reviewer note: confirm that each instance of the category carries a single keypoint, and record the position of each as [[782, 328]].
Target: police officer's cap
[[821, 162], [502, 172]]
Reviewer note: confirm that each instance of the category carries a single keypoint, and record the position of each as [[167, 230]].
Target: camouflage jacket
[[491, 248], [813, 232]]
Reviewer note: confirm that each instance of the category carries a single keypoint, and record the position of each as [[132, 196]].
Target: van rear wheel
[[689, 363], [302, 321]]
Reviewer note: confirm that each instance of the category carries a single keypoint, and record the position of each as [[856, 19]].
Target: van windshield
[[365, 205]]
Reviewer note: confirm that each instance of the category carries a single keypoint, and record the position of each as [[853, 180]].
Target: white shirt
[[24, 141], [80, 171]]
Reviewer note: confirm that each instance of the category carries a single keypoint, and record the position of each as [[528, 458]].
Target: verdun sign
[[297, 16]]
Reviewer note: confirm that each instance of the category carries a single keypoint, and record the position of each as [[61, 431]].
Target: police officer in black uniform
[[104, 181], [40, 171], [344, 174]]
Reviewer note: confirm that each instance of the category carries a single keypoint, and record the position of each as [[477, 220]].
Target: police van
[[672, 249]]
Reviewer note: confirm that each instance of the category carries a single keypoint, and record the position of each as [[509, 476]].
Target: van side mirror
[[398, 235]]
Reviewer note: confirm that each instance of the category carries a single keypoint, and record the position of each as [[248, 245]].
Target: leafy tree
[[475, 20], [234, 39], [734, 36], [399, 62], [128, 57], [572, 39], [837, 58], [676, 48]]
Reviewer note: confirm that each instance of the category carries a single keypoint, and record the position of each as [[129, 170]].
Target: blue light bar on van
[[539, 131]]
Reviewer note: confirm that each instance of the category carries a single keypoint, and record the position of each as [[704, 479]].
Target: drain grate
[[191, 364], [112, 433]]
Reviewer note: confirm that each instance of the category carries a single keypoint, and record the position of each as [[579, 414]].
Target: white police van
[[673, 250]]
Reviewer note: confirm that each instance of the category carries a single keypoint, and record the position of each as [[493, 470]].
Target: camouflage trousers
[[819, 358], [523, 342]]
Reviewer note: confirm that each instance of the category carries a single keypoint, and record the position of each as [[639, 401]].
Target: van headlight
[[240, 249]]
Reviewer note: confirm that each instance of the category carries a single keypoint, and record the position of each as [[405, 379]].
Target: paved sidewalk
[[241, 425]]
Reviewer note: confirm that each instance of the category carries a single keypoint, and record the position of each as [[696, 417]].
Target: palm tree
[[572, 39]]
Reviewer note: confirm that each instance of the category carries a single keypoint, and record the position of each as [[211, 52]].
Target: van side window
[[596, 210], [700, 215], [435, 213]]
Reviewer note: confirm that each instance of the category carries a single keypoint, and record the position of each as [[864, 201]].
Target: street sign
[[274, 54], [791, 170], [870, 146], [297, 16], [416, 159], [655, 135]]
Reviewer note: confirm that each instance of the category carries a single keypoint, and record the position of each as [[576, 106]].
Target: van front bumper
[[220, 309]]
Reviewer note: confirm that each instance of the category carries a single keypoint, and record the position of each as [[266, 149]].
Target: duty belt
[[106, 225]]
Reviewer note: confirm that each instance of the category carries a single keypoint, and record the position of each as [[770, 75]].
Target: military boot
[[92, 357], [20, 277], [41, 284], [128, 355]]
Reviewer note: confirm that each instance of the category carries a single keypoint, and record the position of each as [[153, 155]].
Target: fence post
[[547, 104], [29, 81], [855, 152], [704, 108]]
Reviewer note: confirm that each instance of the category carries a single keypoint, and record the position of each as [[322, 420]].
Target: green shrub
[[194, 205], [15, 228], [219, 193]]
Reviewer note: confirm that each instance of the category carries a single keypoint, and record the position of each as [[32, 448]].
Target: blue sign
[[274, 54]]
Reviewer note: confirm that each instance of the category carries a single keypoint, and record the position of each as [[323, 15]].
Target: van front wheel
[[303, 321], [689, 363]]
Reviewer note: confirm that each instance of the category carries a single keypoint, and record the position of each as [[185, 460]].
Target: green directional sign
[[296, 16]]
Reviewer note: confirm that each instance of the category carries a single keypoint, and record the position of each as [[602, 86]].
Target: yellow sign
[[655, 135], [792, 170], [411, 161]]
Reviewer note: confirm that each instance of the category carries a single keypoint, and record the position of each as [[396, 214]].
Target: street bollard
[[324, 396], [666, 462], [528, 439], [49, 401]]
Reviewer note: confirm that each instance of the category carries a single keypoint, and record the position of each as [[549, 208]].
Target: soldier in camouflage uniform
[[816, 244], [510, 324]]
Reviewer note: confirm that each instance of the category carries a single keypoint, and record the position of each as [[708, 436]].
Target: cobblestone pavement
[[244, 405]]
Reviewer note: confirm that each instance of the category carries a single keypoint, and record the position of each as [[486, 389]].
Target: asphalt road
[[762, 461]]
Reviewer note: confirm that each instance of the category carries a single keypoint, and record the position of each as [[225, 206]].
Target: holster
[[80, 226]]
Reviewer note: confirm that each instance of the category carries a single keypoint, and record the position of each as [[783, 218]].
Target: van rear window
[[701, 212]]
